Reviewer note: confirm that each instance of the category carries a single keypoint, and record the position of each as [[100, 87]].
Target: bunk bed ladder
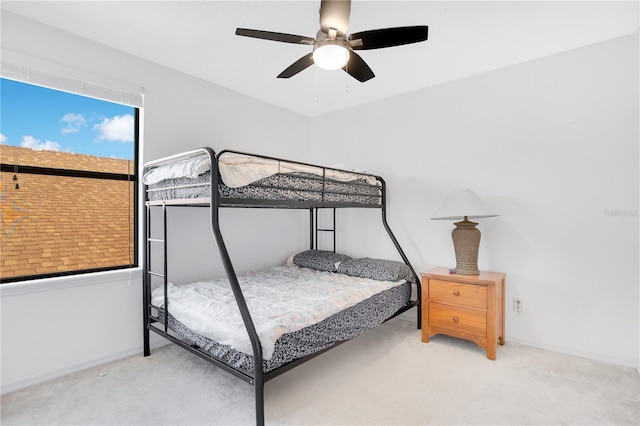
[[314, 225], [149, 273]]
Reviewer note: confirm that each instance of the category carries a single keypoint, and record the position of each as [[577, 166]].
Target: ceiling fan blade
[[388, 37], [335, 14], [299, 65], [358, 68], [269, 35]]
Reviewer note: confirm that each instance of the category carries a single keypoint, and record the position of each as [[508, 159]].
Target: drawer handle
[[456, 319], [456, 293]]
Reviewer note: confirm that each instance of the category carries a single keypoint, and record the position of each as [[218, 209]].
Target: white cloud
[[3, 138], [119, 128], [74, 122], [33, 143]]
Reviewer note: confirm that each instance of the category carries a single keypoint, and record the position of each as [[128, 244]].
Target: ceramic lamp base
[[466, 241]]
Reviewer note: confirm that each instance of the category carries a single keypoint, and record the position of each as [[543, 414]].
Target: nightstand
[[469, 307]]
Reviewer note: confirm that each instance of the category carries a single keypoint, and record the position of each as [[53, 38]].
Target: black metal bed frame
[[214, 203]]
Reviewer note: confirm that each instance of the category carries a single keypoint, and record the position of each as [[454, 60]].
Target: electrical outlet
[[517, 304]]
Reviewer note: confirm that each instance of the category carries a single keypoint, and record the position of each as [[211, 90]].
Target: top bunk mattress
[[249, 177]]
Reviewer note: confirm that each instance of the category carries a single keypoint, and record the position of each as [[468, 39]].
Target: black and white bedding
[[342, 326], [250, 177], [296, 310]]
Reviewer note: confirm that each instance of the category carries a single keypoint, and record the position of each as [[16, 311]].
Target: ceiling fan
[[333, 48]]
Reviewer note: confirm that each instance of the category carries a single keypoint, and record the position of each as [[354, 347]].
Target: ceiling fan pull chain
[[346, 85], [317, 97]]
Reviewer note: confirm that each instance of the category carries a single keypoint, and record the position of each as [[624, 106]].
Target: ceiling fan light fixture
[[331, 54]]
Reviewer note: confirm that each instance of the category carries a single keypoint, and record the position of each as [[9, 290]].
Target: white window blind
[[27, 75]]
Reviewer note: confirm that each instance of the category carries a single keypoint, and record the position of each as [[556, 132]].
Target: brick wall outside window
[[54, 224]]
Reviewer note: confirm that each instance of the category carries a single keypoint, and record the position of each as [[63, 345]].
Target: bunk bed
[[266, 319]]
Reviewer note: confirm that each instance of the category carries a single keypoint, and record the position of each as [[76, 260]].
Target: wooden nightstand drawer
[[458, 294], [458, 319]]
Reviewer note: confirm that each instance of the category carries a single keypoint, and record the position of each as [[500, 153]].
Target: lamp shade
[[463, 203]]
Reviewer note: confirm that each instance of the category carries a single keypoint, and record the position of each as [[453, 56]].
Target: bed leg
[[145, 320], [259, 387], [147, 349]]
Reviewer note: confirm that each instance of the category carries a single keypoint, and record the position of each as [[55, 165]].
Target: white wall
[[552, 145], [83, 321]]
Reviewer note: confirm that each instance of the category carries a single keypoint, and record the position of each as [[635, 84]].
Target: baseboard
[[12, 387], [410, 315], [567, 351]]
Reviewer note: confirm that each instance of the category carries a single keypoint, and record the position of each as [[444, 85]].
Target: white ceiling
[[465, 38]]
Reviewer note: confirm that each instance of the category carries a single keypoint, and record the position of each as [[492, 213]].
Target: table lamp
[[463, 205]]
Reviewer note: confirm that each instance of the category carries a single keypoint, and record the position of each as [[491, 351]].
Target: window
[[68, 187]]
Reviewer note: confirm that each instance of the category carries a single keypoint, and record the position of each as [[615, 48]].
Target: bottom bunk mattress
[[296, 311]]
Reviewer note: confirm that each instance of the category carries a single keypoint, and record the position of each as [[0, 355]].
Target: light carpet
[[384, 377]]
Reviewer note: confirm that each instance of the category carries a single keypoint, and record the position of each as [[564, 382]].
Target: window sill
[[61, 283]]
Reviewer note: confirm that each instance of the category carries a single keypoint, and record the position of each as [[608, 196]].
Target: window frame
[[133, 178]]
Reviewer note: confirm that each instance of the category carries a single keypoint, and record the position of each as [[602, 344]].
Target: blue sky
[[45, 119]]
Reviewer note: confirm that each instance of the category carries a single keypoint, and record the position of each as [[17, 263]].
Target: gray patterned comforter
[[289, 187]]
